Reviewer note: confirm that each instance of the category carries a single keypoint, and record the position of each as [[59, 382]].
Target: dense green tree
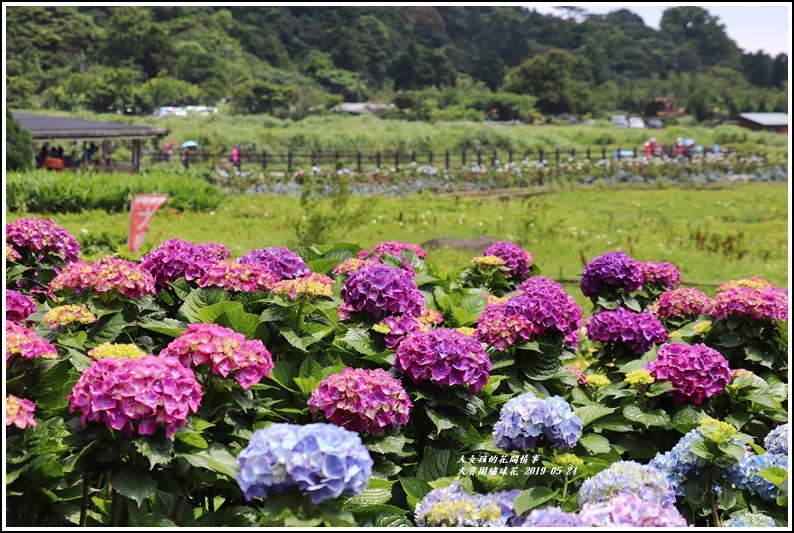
[[19, 144], [131, 38], [549, 79], [703, 32], [779, 72]]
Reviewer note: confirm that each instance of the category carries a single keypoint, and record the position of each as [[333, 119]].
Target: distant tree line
[[289, 61]]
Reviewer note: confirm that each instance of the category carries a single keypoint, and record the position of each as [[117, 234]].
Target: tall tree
[[19, 144], [703, 32]]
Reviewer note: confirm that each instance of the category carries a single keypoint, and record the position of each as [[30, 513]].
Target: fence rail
[[360, 161]]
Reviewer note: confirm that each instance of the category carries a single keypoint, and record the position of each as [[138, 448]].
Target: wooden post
[[396, 160], [619, 153], [540, 155], [557, 155], [336, 160], [430, 158], [463, 158], [136, 154], [603, 153], [314, 158], [479, 158], [573, 154], [413, 157], [510, 155], [588, 153], [446, 159], [495, 157], [377, 159], [358, 160], [289, 161], [264, 159]]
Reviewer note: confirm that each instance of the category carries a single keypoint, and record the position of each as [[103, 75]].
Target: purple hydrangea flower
[[23, 342], [235, 276], [697, 372], [551, 517], [629, 510], [767, 302], [399, 327], [638, 332], [176, 258], [322, 461], [381, 290], [444, 356], [749, 520], [611, 270], [516, 259], [500, 331], [361, 400], [392, 248], [452, 506], [682, 303], [664, 275], [745, 474], [525, 418], [283, 262], [136, 394], [776, 441], [225, 350], [19, 306], [628, 477], [41, 237]]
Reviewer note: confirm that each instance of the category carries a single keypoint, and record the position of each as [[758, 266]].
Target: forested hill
[[277, 59]]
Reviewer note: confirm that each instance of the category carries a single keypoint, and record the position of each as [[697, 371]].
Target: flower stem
[[715, 516], [299, 318], [565, 488], [84, 501]]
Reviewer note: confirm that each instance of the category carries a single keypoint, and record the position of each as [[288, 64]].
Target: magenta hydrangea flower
[[696, 372], [360, 400], [11, 254], [754, 281], [397, 327], [381, 290], [41, 237], [768, 302], [19, 306], [19, 412], [282, 262], [577, 374], [309, 286], [225, 350], [516, 259], [23, 342], [393, 248], [234, 276], [611, 270], [176, 258], [131, 395], [636, 331], [543, 305], [445, 357], [682, 303], [662, 274], [351, 264], [103, 276]]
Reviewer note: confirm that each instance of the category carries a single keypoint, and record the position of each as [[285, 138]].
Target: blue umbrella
[[689, 141], [190, 144]]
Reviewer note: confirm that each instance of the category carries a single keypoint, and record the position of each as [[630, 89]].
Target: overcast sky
[[764, 26]]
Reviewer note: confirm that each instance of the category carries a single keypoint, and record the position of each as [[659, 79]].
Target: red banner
[[141, 212]]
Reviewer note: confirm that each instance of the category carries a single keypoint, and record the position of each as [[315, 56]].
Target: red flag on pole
[[141, 212]]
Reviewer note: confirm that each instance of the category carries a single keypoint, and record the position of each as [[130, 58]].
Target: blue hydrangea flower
[[525, 418], [451, 506], [505, 500], [551, 517], [628, 477], [747, 519], [322, 461], [629, 510], [776, 440], [745, 474], [680, 462]]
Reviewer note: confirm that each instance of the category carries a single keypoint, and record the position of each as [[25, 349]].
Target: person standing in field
[[185, 157]]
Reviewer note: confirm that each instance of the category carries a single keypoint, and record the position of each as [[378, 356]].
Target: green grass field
[[711, 235]]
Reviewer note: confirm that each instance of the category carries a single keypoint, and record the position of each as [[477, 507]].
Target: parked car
[[636, 122], [655, 124], [619, 121]]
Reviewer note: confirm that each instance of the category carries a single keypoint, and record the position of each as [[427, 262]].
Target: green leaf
[[657, 417], [301, 343], [240, 321], [166, 326], [706, 450], [531, 498], [437, 464], [283, 373], [773, 474], [590, 413], [191, 438], [378, 492], [107, 328], [54, 386], [415, 489], [323, 266], [359, 340], [133, 483], [595, 443], [726, 498], [159, 451], [384, 521], [199, 299], [372, 510], [632, 303], [391, 444], [181, 288], [215, 458], [695, 491], [543, 368], [210, 313], [73, 340], [441, 422], [658, 388], [686, 417]]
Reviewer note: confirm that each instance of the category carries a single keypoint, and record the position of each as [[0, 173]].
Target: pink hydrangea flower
[[636, 331], [381, 290], [682, 303], [696, 372], [662, 274], [445, 357], [396, 328], [282, 262], [19, 412], [176, 258], [235, 276], [360, 400], [130, 395], [11, 254], [766, 302], [352, 264], [754, 282], [41, 237], [311, 285], [516, 258], [430, 316], [23, 342], [19, 306], [580, 377], [225, 350], [500, 330], [68, 314], [104, 276]]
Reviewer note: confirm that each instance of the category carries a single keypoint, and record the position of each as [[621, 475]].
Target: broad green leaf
[[215, 458], [386, 521], [199, 299], [73, 340], [283, 374], [695, 491], [210, 313], [166, 326], [595, 443], [441, 422], [359, 340], [159, 451], [415, 489], [773, 474], [437, 464], [323, 266], [589, 413], [545, 367], [191, 438], [133, 483], [54, 386], [378, 492], [391, 444], [301, 343], [181, 288], [726, 499], [106, 329], [531, 498], [706, 450], [657, 417], [371, 510], [240, 321]]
